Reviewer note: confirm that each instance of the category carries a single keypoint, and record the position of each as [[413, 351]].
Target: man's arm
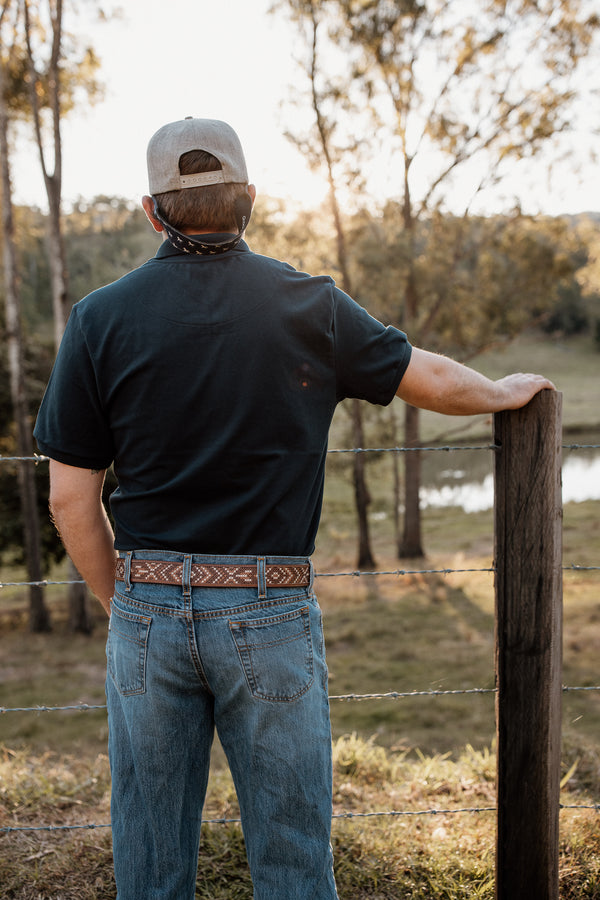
[[79, 515], [445, 386]]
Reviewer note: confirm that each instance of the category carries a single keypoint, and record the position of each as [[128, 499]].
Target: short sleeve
[[71, 425], [371, 358]]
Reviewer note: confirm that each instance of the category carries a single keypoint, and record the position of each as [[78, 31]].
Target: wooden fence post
[[528, 559]]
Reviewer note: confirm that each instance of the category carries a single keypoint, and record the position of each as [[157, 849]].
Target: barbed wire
[[444, 448], [354, 573], [36, 458], [389, 695], [232, 821], [391, 813], [43, 583], [386, 695], [402, 695], [581, 446], [357, 573], [80, 707]]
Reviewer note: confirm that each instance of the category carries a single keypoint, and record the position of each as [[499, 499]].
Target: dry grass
[[384, 633], [446, 856]]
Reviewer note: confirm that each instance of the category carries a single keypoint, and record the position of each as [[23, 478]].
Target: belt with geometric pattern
[[214, 574]]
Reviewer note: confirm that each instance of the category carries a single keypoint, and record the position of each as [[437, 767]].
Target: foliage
[[447, 277], [105, 238], [37, 366], [79, 69], [568, 315], [489, 278], [462, 83], [485, 279], [445, 85]]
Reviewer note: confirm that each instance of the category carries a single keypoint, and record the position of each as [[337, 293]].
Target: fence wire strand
[[386, 695], [389, 813], [446, 448], [389, 695]]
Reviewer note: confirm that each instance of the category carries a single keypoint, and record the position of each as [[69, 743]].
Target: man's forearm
[[81, 520], [90, 544], [445, 386]]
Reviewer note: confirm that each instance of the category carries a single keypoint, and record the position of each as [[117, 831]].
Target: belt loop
[[186, 575], [127, 572], [311, 576], [261, 572]]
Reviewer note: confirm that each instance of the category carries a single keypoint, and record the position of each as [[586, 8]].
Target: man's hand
[[81, 520], [518, 389], [445, 386]]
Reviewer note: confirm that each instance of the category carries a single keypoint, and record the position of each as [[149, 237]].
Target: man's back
[[213, 382]]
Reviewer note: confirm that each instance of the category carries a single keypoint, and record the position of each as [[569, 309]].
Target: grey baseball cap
[[171, 141]]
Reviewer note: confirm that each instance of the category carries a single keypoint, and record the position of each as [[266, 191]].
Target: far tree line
[[426, 90], [487, 280]]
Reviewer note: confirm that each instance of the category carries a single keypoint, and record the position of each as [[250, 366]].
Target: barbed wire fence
[[350, 697]]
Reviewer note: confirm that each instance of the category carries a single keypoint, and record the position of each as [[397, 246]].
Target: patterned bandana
[[196, 245]]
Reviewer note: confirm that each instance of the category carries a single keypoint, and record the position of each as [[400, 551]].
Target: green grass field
[[384, 633]]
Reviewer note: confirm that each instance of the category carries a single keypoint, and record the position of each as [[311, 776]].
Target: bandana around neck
[[195, 244]]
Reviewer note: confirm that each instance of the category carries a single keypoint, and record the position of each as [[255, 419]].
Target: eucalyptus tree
[[329, 148], [11, 99], [460, 93], [59, 73]]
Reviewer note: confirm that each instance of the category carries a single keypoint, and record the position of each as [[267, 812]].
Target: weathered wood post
[[528, 559]]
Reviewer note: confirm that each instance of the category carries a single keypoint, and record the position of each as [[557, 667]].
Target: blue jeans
[[183, 661]]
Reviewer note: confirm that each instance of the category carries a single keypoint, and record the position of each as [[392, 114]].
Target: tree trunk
[[411, 545], [396, 477], [79, 617], [39, 618], [361, 492], [58, 265]]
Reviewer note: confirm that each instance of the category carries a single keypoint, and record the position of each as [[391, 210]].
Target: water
[[471, 484]]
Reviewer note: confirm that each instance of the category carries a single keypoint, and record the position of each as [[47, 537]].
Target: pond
[[470, 484]]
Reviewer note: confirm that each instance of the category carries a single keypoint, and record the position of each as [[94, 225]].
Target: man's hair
[[209, 207]]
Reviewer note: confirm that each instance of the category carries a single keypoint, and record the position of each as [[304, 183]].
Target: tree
[[38, 614], [588, 276], [322, 151], [52, 88], [460, 89]]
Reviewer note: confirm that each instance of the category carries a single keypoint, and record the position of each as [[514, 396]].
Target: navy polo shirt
[[210, 382]]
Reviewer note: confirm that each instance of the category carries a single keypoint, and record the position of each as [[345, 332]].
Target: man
[[209, 377]]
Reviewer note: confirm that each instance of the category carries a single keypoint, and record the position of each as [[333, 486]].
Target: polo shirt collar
[[167, 249]]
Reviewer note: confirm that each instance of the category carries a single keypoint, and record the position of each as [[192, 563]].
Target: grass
[[384, 633], [446, 856]]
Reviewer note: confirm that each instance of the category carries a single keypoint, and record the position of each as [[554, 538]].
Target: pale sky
[[225, 59]]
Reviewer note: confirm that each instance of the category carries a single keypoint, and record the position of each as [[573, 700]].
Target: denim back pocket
[[276, 654], [126, 650]]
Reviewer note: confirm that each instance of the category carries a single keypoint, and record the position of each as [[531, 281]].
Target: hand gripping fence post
[[528, 558]]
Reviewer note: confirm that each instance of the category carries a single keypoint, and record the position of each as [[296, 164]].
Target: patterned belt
[[214, 574]]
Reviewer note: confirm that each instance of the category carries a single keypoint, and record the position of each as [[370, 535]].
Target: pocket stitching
[[248, 667], [141, 663]]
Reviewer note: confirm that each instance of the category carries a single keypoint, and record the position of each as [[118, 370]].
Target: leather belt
[[214, 574]]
